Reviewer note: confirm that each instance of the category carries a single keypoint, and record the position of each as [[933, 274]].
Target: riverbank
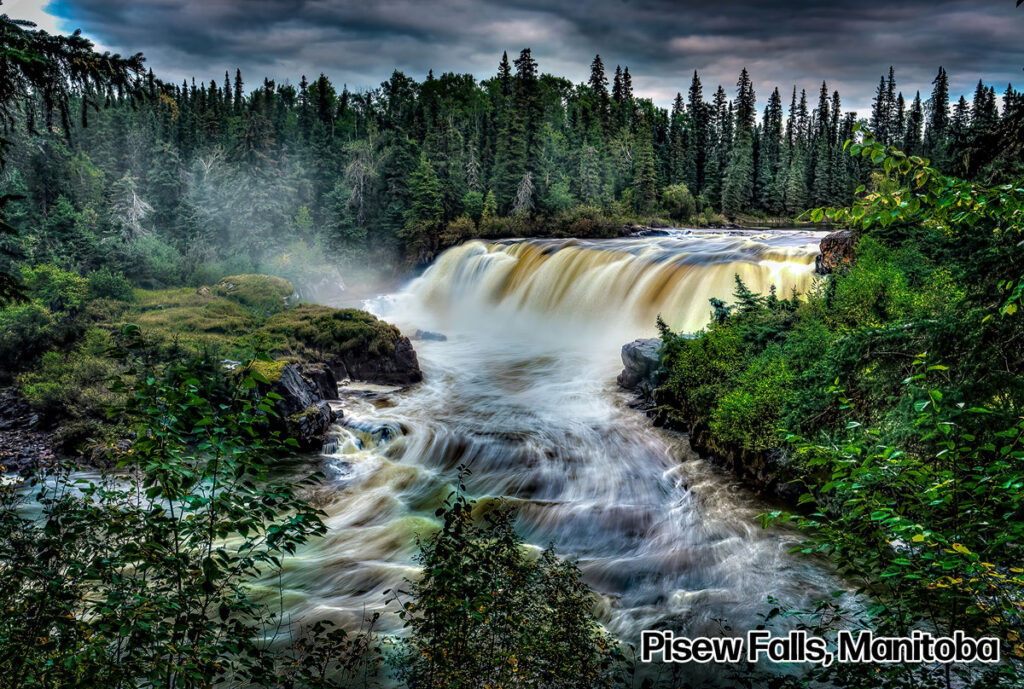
[[56, 409]]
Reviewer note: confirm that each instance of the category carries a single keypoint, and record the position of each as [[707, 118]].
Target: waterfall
[[627, 283], [522, 390]]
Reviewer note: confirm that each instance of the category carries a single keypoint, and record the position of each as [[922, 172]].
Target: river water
[[523, 392]]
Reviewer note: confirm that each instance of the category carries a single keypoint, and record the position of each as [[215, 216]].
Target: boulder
[[428, 336], [399, 367], [642, 361], [837, 251], [303, 410]]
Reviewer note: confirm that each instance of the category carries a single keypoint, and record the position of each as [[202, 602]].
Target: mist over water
[[523, 391]]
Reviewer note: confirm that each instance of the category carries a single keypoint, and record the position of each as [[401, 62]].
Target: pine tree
[[738, 182], [937, 129], [880, 112], [599, 84], [745, 101], [645, 175], [423, 219], [239, 95], [697, 136], [678, 153], [899, 123], [770, 155], [915, 120]]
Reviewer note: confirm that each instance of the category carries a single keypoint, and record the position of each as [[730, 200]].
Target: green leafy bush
[[109, 284], [749, 414], [73, 384], [486, 613], [147, 581], [59, 290], [26, 331], [679, 202]]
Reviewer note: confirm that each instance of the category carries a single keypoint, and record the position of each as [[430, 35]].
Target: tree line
[[188, 180]]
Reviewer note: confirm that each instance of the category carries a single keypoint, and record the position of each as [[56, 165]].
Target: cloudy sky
[[849, 43]]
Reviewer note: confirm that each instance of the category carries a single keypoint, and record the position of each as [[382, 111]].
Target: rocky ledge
[[304, 411], [397, 367], [837, 251]]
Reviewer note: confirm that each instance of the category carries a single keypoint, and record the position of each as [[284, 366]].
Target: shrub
[[59, 290], [26, 330], [151, 263], [148, 580], [73, 384], [458, 230], [748, 414], [486, 614], [679, 202], [108, 284]]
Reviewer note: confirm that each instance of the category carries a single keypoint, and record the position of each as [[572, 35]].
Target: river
[[523, 392]]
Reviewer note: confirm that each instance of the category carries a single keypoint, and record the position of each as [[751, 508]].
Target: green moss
[[192, 317], [271, 370], [264, 294], [314, 330]]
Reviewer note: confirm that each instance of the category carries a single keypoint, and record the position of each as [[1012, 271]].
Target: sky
[[848, 43]]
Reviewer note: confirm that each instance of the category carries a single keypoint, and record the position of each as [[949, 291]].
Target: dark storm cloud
[[849, 43]]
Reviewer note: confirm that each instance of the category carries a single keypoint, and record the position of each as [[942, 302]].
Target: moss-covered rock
[[264, 294], [356, 344], [312, 329]]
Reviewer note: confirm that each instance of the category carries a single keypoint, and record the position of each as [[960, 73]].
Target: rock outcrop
[[303, 410], [399, 367], [642, 361], [837, 251], [428, 336]]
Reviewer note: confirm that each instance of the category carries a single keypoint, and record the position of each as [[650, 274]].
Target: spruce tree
[[239, 100], [937, 128], [915, 120], [697, 136], [770, 156]]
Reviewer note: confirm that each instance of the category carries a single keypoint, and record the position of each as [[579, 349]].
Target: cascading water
[[523, 392]]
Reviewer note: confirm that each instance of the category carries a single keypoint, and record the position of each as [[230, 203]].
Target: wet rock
[[837, 252], [399, 367], [24, 444], [428, 336], [642, 361], [304, 412]]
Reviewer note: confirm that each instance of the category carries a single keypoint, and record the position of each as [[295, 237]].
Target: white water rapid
[[523, 391]]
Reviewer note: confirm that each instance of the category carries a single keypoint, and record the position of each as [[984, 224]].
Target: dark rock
[[399, 367], [428, 336], [303, 410], [642, 361], [837, 251]]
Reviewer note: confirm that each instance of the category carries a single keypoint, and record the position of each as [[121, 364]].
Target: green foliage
[[487, 613], [748, 414], [60, 291], [910, 461], [147, 582], [73, 384], [26, 331], [934, 521], [679, 202], [108, 284]]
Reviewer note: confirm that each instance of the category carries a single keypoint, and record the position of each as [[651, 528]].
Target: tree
[[937, 128], [40, 70], [423, 219]]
